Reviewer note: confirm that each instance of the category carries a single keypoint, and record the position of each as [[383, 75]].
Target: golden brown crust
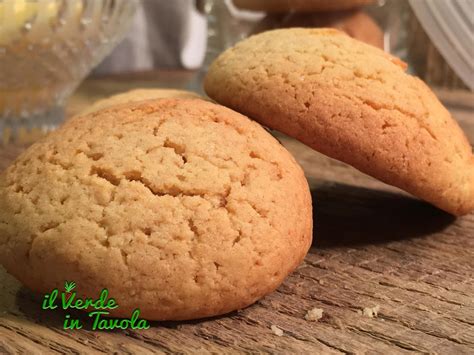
[[136, 95], [300, 5], [352, 102], [182, 208]]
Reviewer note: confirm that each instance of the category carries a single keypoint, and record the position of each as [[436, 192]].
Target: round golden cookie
[[352, 102], [180, 207], [356, 23], [139, 95], [300, 5]]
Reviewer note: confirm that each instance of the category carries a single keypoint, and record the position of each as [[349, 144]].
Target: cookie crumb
[[371, 312], [422, 307], [338, 323], [321, 282], [314, 315], [275, 305], [277, 331]]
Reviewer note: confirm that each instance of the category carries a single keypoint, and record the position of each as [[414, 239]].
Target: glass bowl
[[47, 47]]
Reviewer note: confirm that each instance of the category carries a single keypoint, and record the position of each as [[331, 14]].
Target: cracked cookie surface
[[352, 102], [180, 207]]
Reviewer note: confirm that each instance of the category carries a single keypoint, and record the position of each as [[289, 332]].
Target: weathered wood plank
[[374, 246]]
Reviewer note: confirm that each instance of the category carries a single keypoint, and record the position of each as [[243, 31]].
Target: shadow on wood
[[346, 215]]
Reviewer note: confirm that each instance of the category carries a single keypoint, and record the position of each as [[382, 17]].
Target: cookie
[[352, 102], [300, 5], [139, 95], [356, 23], [180, 207]]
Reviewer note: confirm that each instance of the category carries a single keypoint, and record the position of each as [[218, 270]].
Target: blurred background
[[48, 47], [189, 34]]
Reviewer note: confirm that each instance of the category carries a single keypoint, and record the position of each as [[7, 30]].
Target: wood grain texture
[[374, 245]]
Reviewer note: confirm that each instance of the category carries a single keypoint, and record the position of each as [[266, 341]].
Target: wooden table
[[374, 246]]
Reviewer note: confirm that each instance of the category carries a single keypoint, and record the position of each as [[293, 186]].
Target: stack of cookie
[[344, 15], [187, 209]]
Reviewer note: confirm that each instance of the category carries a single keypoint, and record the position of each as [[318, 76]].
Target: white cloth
[[163, 34]]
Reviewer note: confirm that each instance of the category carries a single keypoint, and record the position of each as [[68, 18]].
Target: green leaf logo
[[69, 286]]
